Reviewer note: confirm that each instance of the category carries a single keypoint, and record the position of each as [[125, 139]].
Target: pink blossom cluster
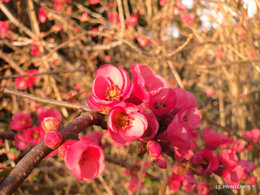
[[220, 156], [4, 28], [146, 110], [27, 134], [181, 10], [23, 83]]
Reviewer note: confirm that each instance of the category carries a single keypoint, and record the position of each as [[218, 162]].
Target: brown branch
[[43, 100], [7, 135], [36, 154]]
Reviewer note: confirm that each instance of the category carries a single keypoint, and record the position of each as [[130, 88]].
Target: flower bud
[[160, 162], [50, 123], [154, 149], [53, 139]]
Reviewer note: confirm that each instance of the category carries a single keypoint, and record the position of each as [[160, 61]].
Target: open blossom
[[20, 121], [34, 135], [85, 160], [228, 157], [35, 51], [205, 161], [253, 135], [111, 86], [203, 189], [132, 20], [212, 139], [125, 123], [188, 181], [152, 129], [20, 141], [175, 182], [24, 82], [114, 18], [184, 99], [4, 28]]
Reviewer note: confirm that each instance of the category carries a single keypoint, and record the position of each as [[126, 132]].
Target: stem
[[25, 166], [7, 135]]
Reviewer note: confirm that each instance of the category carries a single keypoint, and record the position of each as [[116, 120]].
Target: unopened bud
[[53, 139], [154, 149], [50, 123]]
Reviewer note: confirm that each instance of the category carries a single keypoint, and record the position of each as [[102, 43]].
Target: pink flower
[[189, 118], [58, 4], [114, 18], [251, 180], [34, 135], [205, 161], [125, 123], [146, 82], [233, 175], [47, 112], [94, 137], [163, 102], [188, 181], [203, 189], [253, 135], [154, 149], [163, 2], [111, 86], [228, 157], [132, 20], [133, 184], [24, 82], [212, 139], [247, 165], [210, 91], [53, 139], [238, 146], [142, 41], [185, 99], [152, 129], [50, 123], [85, 160], [42, 15], [64, 147], [6, 1], [20, 141], [94, 2], [175, 182], [20, 121], [160, 162], [35, 51], [4, 29], [181, 6]]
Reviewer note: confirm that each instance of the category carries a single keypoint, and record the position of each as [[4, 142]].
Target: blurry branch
[[128, 166], [16, 22], [43, 100], [226, 129], [7, 135], [182, 46], [25, 166], [175, 74], [6, 58], [43, 73]]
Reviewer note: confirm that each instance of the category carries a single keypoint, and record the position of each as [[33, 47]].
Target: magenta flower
[[85, 160], [163, 102], [20, 141], [34, 135], [188, 181], [125, 123], [212, 139], [253, 135], [184, 99], [20, 121], [233, 175], [52, 139], [4, 29], [132, 20], [94, 2], [64, 147], [228, 157], [152, 129], [205, 161], [238, 146], [24, 82], [247, 165], [111, 86], [175, 182], [189, 118], [160, 162], [203, 189]]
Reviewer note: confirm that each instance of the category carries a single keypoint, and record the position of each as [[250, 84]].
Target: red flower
[[203, 189], [53, 139], [35, 51], [94, 2], [85, 160], [175, 182], [20, 121], [125, 123], [20, 141], [42, 15]]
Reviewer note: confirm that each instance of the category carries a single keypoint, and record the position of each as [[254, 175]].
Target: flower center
[[35, 135], [160, 104], [122, 121], [84, 157], [23, 122], [112, 93]]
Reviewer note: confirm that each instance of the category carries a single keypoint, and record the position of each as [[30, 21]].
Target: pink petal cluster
[[23, 83], [42, 15], [132, 20], [212, 139], [86, 160], [4, 29], [53, 139], [20, 121]]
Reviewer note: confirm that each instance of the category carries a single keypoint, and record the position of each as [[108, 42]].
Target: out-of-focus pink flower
[[238, 146], [133, 184], [34, 135], [94, 137], [142, 41], [20, 141], [180, 5], [50, 123], [251, 180], [163, 102], [57, 28], [42, 15], [154, 149], [163, 2], [1, 141], [58, 4], [203, 189], [20, 121], [84, 17], [146, 82], [43, 112], [228, 157], [175, 182], [125, 123], [253, 135], [4, 29], [247, 165], [24, 82], [185, 99], [114, 18], [94, 2], [233, 175], [6, 1], [205, 161], [189, 118], [210, 91], [212, 139], [52, 139], [152, 129], [188, 181], [132, 20], [160, 162], [188, 18], [111, 86], [35, 51], [85, 160]]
